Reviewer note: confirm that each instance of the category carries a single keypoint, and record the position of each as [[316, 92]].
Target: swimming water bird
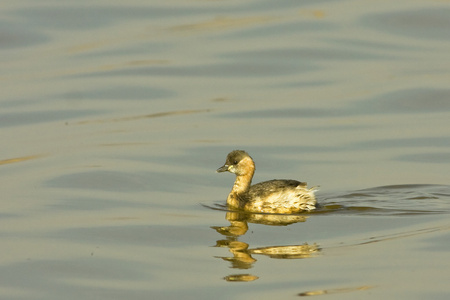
[[273, 196]]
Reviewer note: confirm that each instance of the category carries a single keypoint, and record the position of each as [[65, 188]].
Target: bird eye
[[235, 162]]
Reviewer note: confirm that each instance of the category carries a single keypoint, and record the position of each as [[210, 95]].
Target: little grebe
[[273, 196]]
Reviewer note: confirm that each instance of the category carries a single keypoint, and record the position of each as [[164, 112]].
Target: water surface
[[114, 117]]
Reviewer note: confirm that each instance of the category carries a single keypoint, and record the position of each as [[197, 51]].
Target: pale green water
[[114, 117]]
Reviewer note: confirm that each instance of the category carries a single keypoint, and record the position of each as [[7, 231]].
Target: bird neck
[[242, 183]]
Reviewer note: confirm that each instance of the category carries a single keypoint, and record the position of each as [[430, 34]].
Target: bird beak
[[223, 168]]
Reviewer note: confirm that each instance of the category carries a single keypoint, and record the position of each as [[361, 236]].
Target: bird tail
[[314, 188]]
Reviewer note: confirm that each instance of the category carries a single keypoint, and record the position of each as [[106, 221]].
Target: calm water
[[114, 117]]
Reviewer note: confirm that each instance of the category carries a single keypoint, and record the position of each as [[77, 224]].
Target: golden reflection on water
[[316, 13], [133, 63], [138, 117], [335, 291], [223, 23], [240, 278], [89, 46], [19, 159], [242, 253]]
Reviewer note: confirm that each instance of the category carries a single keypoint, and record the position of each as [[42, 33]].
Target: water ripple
[[408, 199]]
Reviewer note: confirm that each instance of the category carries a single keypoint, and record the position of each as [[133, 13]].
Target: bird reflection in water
[[242, 255]]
